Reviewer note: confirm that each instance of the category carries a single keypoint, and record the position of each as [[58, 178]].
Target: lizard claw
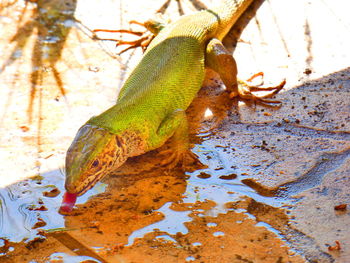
[[186, 159], [245, 91], [143, 41]]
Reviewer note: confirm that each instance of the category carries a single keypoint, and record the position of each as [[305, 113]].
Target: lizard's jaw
[[82, 187], [75, 190]]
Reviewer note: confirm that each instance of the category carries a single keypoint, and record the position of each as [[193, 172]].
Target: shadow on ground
[[50, 22]]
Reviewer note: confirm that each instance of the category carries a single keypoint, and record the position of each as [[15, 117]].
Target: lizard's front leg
[[221, 61], [175, 126]]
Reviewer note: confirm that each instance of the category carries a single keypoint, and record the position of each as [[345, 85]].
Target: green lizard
[[151, 105]]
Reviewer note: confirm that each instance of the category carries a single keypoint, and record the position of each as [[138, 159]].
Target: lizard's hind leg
[[221, 61]]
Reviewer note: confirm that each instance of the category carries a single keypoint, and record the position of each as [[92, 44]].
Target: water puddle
[[32, 204], [218, 184], [62, 257]]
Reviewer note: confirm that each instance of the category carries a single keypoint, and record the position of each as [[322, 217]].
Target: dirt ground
[[274, 185]]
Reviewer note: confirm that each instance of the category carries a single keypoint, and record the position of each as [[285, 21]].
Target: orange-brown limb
[[276, 89], [220, 60], [143, 41], [259, 74], [127, 31]]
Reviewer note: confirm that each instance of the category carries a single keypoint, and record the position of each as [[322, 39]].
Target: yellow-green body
[[169, 75], [150, 107]]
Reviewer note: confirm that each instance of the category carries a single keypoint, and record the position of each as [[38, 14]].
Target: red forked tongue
[[68, 202]]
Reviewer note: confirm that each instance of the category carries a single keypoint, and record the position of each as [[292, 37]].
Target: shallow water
[[30, 201]]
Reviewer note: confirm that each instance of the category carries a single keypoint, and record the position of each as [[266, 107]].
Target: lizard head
[[94, 153]]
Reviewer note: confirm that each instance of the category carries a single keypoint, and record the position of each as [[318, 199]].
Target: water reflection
[[62, 257], [50, 23], [27, 207]]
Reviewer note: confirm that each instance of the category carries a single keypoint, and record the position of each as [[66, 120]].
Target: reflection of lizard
[[151, 105]]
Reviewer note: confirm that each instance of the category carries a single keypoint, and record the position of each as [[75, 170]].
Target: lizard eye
[[95, 163]]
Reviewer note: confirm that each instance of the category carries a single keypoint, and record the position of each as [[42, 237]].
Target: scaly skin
[[151, 105]]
